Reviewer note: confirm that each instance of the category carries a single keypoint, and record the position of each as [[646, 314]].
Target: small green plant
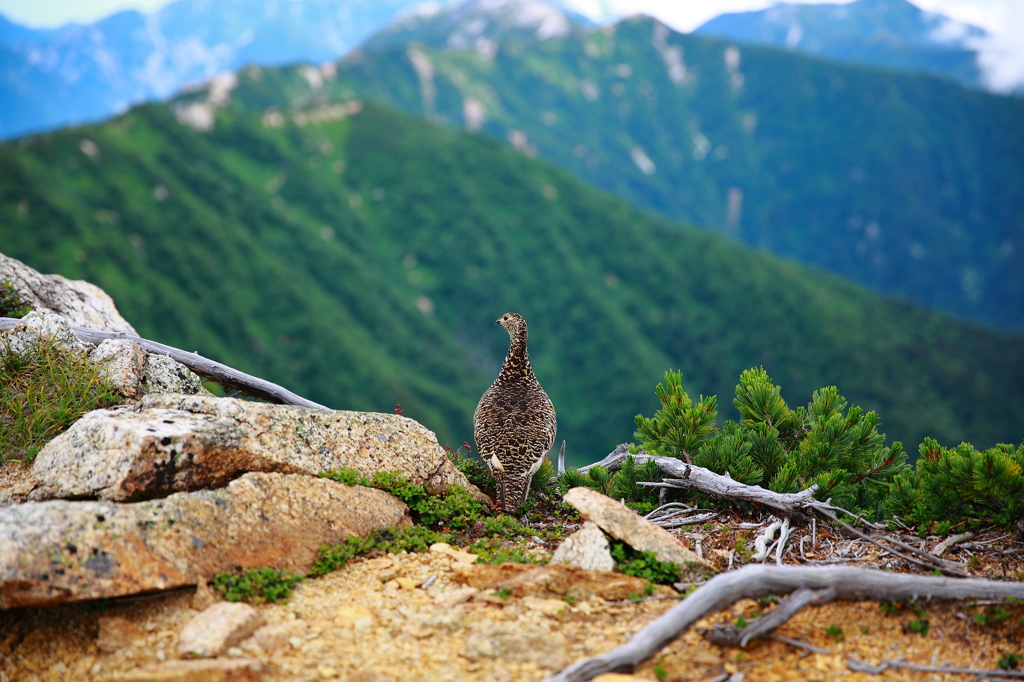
[[455, 508], [257, 585], [889, 608], [835, 632], [44, 389], [472, 467], [11, 304], [659, 671], [644, 565], [505, 593], [741, 623], [991, 616], [405, 539], [1009, 662], [864, 629], [919, 626], [569, 599]]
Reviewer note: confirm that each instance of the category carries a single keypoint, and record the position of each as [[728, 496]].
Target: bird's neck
[[517, 361]]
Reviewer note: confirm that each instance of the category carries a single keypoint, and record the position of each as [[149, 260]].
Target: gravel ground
[[372, 622]]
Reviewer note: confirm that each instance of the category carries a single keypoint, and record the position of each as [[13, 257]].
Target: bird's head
[[513, 323]]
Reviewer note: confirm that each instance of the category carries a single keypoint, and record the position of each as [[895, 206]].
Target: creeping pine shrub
[[828, 443], [951, 485], [623, 484], [256, 585], [44, 389]]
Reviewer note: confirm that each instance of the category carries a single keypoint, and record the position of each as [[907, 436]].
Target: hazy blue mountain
[[52, 78], [888, 33]]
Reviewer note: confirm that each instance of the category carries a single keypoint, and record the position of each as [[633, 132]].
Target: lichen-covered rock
[[161, 374], [81, 303], [626, 525], [60, 551], [218, 628], [169, 443], [587, 548], [36, 327], [121, 363]]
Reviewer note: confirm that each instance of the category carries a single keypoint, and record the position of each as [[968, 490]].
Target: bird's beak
[[497, 322]]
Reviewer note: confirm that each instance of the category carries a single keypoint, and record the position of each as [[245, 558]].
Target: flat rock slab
[[59, 551], [172, 443], [587, 548], [626, 525]]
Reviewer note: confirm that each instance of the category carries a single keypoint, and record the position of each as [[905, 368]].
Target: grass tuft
[[44, 389]]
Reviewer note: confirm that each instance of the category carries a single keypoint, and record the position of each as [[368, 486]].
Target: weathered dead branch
[[798, 506], [729, 635], [859, 666], [692, 477], [848, 583], [231, 379]]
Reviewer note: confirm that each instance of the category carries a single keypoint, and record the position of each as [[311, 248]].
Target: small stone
[[458, 555], [349, 616], [116, 633], [617, 677], [406, 583], [626, 525], [587, 548], [217, 629], [327, 672], [549, 607], [277, 636], [450, 598], [379, 563], [211, 670]]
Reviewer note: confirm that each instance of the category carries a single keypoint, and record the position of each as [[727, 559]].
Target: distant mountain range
[[893, 34], [52, 78], [909, 184], [359, 256], [56, 77]]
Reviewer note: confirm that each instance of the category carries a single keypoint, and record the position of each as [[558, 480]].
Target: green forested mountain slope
[[909, 184], [362, 261]]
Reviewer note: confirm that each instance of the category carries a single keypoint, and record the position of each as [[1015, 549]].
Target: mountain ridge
[[289, 244], [909, 184]]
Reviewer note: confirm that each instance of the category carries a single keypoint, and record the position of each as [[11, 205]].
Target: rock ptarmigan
[[514, 423]]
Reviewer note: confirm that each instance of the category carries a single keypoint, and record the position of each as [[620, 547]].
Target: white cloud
[[1002, 54]]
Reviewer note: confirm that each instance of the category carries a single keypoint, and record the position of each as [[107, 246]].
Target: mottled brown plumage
[[514, 423]]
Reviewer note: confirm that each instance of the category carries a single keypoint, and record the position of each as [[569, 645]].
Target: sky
[[1004, 19], [683, 15]]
